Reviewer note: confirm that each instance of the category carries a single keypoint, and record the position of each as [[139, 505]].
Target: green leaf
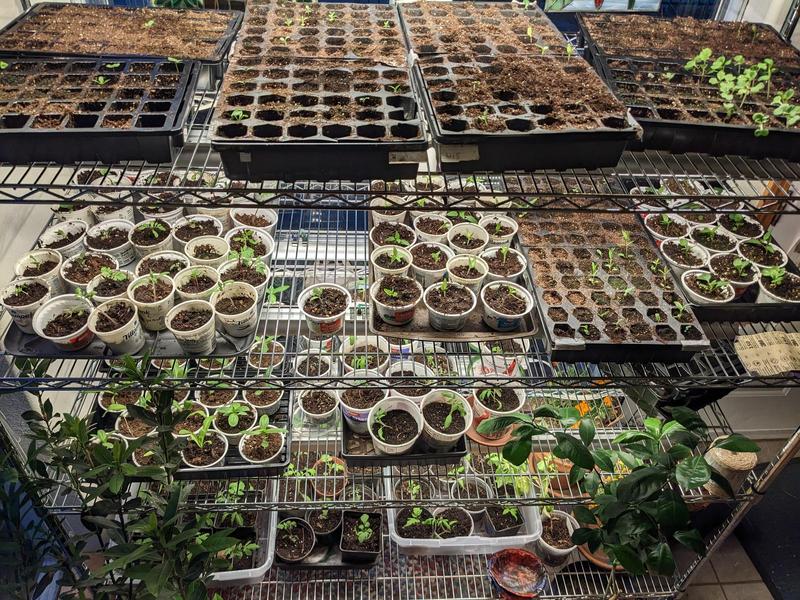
[[653, 427], [672, 512], [547, 412], [736, 442], [497, 424], [691, 539], [115, 483], [583, 535], [692, 472], [671, 427], [197, 591], [722, 482], [626, 557], [576, 474], [641, 484], [604, 459], [678, 452], [517, 451], [688, 418], [660, 559], [572, 449], [631, 437], [584, 515], [587, 431]]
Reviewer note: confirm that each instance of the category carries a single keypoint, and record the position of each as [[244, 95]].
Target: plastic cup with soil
[[257, 240], [703, 287], [252, 271], [503, 521], [294, 540], [44, 264], [505, 305], [236, 308], [362, 536], [447, 415], [449, 305], [324, 306], [662, 226], [713, 238], [762, 252], [111, 237], [132, 428], [415, 487], [501, 229], [467, 270], [357, 394], [390, 260], [207, 251], [471, 487], [265, 219], [556, 541], [73, 211], [391, 207], [22, 298], [741, 226], [776, 284], [77, 271], [396, 298], [205, 449], [467, 238], [738, 271], [193, 325], [432, 228], [394, 425], [435, 357], [116, 324], [64, 320], [194, 226], [503, 264], [66, 238], [683, 254], [109, 284], [167, 262], [264, 396], [400, 376], [429, 262], [496, 401], [151, 235], [266, 353], [233, 419], [361, 352], [415, 523], [192, 422], [312, 364], [218, 393], [154, 297], [331, 476], [326, 523], [263, 443], [195, 283], [454, 522], [392, 234], [319, 406]]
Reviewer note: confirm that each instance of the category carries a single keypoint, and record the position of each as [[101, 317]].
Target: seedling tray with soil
[[358, 450], [681, 111], [546, 111], [598, 298], [324, 105], [110, 110], [54, 29]]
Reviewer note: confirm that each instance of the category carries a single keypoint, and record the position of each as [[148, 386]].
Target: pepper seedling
[[363, 529]]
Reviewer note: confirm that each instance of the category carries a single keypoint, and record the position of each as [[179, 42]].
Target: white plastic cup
[[52, 277], [75, 285], [260, 288], [419, 370], [378, 218], [216, 463], [98, 300], [389, 404], [488, 223], [153, 314], [749, 220], [430, 276], [352, 343], [55, 232], [697, 298], [79, 214], [481, 412], [201, 340], [478, 233], [433, 437], [23, 315], [55, 306], [242, 441], [696, 249], [324, 325], [474, 284], [260, 235], [218, 243], [182, 277], [497, 320], [783, 262], [127, 339], [765, 296], [179, 244], [448, 322], [266, 213], [720, 232], [381, 243], [139, 272], [145, 250], [440, 237], [319, 419], [659, 237], [552, 551], [394, 315], [124, 254], [381, 272], [513, 277], [240, 324], [356, 418]]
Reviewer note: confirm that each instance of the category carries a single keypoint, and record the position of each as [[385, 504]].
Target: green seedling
[[391, 293], [741, 265], [443, 287], [570, 50], [273, 292], [776, 275], [234, 412], [200, 439], [363, 530], [456, 407], [710, 284], [396, 239], [414, 519], [464, 215], [491, 395], [288, 528], [542, 49], [504, 251], [148, 24], [379, 417], [436, 256]]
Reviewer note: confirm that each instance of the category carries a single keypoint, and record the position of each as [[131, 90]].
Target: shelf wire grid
[[763, 185], [332, 246]]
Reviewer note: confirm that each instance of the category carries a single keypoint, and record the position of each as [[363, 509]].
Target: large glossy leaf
[[517, 451], [587, 431], [688, 418], [497, 424], [626, 557], [692, 472], [736, 442], [572, 449], [583, 515], [672, 512], [691, 539], [630, 437], [604, 459], [660, 559], [641, 484]]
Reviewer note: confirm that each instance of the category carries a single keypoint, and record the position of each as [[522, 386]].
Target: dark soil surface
[[124, 397], [293, 544], [248, 238], [372, 353], [264, 397], [313, 366], [196, 285], [435, 414], [206, 252], [466, 272], [349, 539], [34, 270], [192, 422], [188, 320], [150, 236], [64, 240], [429, 257], [694, 285], [432, 226], [760, 255], [115, 316], [110, 238], [405, 291], [399, 427], [196, 228], [722, 265], [714, 241], [392, 234], [169, 266], [134, 428], [385, 261], [666, 226], [438, 362], [501, 521], [676, 253], [142, 457], [25, 294], [556, 533], [499, 298], [455, 301], [66, 323], [318, 402], [253, 220], [271, 357], [246, 421], [462, 241], [397, 384], [789, 289], [497, 228], [505, 401], [254, 446], [206, 455], [461, 526], [217, 396], [109, 287], [234, 305], [324, 523], [364, 396], [147, 292], [82, 269], [744, 228], [244, 273], [414, 530], [328, 303]]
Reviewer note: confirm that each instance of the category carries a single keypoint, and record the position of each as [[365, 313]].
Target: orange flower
[[607, 401], [583, 407]]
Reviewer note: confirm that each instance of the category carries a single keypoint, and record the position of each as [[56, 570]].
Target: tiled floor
[[729, 576]]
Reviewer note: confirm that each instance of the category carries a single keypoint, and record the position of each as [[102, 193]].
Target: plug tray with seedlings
[[601, 295], [334, 103], [55, 29], [110, 110], [681, 110], [491, 109]]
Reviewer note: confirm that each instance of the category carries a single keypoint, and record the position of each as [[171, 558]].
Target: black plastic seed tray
[[40, 31], [105, 110], [357, 450], [621, 312], [681, 112], [477, 128]]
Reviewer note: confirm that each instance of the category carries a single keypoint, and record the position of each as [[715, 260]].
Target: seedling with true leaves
[[709, 284], [363, 529], [154, 227], [415, 518], [456, 407], [289, 528], [491, 397], [273, 291], [741, 266], [239, 115], [776, 275], [463, 215], [234, 412], [391, 293], [200, 438], [396, 239], [378, 419]]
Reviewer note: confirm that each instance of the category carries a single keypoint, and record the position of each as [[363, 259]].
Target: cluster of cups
[[691, 227], [152, 316]]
